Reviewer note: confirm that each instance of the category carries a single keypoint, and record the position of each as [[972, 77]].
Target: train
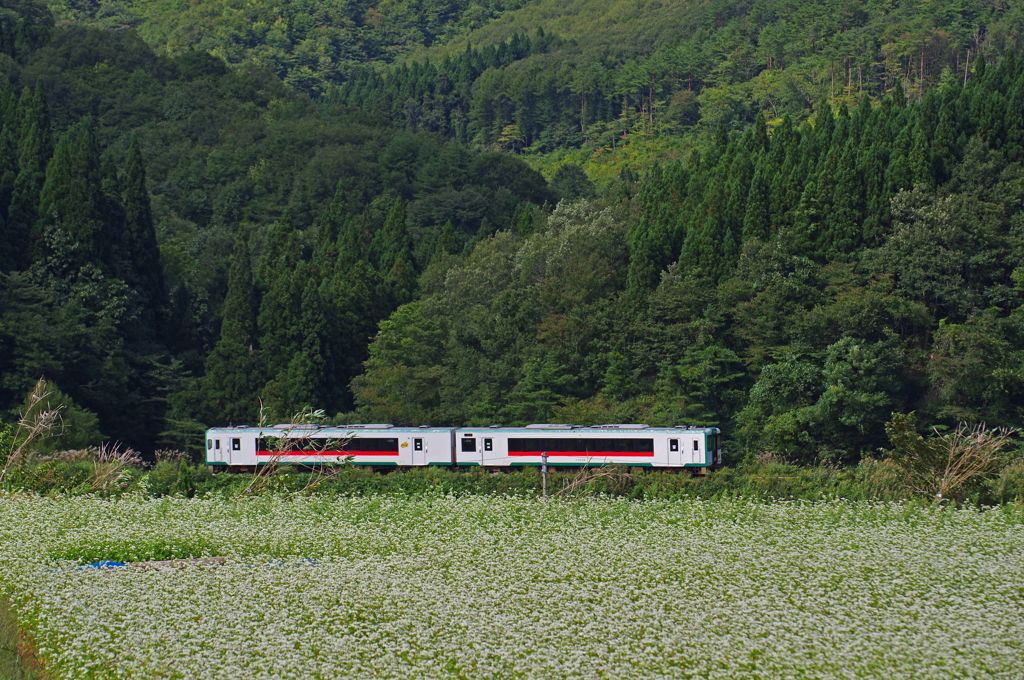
[[384, 445]]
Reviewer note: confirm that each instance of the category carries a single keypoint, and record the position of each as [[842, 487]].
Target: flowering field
[[484, 587]]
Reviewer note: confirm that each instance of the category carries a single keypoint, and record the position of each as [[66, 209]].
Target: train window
[[696, 446], [468, 444], [236, 444], [673, 444], [417, 444], [216, 443], [389, 444], [488, 445], [209, 443]]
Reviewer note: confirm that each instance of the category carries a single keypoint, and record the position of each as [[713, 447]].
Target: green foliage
[[766, 290], [116, 244], [553, 75], [830, 233], [78, 427], [307, 45], [943, 465], [571, 182]]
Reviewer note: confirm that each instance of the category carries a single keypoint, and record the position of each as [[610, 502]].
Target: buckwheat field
[[482, 587]]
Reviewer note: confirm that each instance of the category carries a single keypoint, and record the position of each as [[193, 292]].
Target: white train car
[[381, 444], [386, 445], [572, 445]]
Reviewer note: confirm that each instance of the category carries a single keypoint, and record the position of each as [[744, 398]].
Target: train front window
[[209, 443]]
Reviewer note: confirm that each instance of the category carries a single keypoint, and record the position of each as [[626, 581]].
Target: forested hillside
[[796, 288], [556, 74], [130, 178], [837, 235], [307, 43]]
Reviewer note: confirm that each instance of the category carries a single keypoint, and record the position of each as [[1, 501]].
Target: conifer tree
[[644, 261], [139, 231], [8, 165], [824, 127], [356, 299], [8, 173], [899, 175], [877, 194], [782, 161], [284, 277], [309, 369], [807, 220], [392, 240], [943, 145], [920, 161], [394, 254], [9, 108], [899, 97], [741, 174], [232, 377], [648, 251], [758, 141], [34, 152], [756, 218], [72, 197], [338, 226], [448, 242], [843, 218]]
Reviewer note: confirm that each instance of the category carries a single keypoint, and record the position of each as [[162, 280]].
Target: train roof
[[243, 429], [535, 430]]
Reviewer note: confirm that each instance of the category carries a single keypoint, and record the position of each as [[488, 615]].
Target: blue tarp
[[104, 564]]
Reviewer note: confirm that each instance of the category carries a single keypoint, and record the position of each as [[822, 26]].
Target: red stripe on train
[[327, 453], [586, 454]]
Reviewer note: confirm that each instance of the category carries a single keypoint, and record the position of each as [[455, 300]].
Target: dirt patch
[[19, 658]]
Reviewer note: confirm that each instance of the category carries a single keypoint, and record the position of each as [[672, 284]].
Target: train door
[[419, 450], [234, 453], [218, 452], [696, 455], [675, 457]]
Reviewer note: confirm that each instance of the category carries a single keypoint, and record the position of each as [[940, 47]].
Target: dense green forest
[[307, 43], [130, 178], [193, 225], [594, 73]]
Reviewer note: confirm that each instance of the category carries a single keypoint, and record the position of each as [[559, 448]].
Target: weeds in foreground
[[942, 465], [297, 437], [16, 444], [614, 477]]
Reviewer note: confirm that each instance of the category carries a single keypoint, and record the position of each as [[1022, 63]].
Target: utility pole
[[544, 471]]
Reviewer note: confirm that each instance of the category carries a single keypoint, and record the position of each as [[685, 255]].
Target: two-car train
[[387, 445]]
